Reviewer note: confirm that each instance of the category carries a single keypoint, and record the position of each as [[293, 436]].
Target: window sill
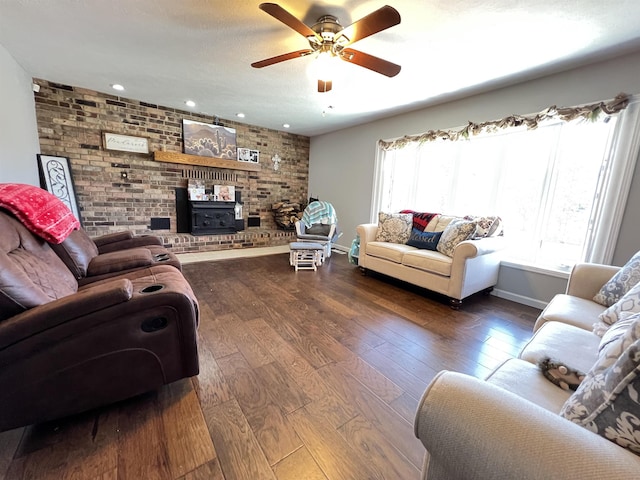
[[536, 269]]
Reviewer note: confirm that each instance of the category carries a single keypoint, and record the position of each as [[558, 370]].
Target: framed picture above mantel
[[209, 140]]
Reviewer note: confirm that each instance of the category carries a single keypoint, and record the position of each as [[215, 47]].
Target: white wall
[[19, 142], [341, 163]]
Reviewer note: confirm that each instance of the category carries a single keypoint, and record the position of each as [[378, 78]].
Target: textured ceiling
[[168, 51]]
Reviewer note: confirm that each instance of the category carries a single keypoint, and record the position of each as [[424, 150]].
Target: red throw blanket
[[40, 211]]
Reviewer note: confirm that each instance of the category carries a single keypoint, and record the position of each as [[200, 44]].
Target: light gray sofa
[[508, 426], [473, 267]]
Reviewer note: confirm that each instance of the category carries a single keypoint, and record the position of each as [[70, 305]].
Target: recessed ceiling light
[[190, 103], [286, 125], [240, 115], [117, 86]]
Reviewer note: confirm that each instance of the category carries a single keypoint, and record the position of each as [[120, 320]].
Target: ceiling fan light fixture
[[325, 65], [329, 41]]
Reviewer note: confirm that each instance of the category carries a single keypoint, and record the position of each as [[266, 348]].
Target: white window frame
[[615, 183]]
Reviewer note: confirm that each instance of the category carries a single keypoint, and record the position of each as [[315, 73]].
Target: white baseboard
[[514, 297]]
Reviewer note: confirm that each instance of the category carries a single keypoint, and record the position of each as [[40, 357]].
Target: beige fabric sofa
[[473, 267], [508, 425]]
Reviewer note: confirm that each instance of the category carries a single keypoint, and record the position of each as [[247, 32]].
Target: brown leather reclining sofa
[[113, 325]]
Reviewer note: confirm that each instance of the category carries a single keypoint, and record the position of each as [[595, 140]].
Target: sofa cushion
[[439, 223], [31, 274], [630, 302], [394, 227], [420, 219], [388, 251], [424, 240], [575, 347], [525, 380], [607, 401], [570, 310], [77, 251], [620, 283], [428, 261], [457, 231]]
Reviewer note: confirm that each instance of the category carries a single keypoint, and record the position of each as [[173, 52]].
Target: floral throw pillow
[[607, 401], [630, 302], [484, 225], [620, 283], [457, 231], [394, 227]]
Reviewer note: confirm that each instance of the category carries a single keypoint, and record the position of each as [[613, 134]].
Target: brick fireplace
[[121, 190]]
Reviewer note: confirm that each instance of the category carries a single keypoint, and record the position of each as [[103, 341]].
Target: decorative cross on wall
[[276, 161]]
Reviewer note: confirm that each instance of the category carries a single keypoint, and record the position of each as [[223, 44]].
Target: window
[[552, 185]]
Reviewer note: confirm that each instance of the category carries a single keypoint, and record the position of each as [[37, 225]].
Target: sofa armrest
[[120, 261], [124, 240], [586, 279], [367, 232], [475, 430], [50, 315], [482, 246], [112, 238]]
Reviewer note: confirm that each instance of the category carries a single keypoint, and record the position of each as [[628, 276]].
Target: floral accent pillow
[[457, 231], [630, 302], [394, 227], [607, 402], [620, 283], [617, 330], [485, 225]]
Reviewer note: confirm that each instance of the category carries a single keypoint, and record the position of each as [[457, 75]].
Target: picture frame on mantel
[[248, 155], [56, 178], [125, 143]]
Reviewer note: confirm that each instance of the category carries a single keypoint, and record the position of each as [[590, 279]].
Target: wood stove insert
[[212, 217]]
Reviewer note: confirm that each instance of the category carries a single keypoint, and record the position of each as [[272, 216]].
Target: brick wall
[[71, 122]]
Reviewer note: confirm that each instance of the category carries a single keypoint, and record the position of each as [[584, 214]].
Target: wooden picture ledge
[[183, 158]]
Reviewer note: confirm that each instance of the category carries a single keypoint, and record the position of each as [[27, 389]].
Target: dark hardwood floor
[[307, 375]]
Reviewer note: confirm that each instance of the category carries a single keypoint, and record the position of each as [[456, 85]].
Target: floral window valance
[[589, 112]]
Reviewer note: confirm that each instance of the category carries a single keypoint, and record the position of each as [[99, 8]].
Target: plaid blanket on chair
[[319, 212]]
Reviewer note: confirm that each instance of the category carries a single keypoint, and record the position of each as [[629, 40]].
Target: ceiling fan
[[329, 39]]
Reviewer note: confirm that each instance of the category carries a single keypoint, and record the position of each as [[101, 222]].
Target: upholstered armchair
[[103, 257]]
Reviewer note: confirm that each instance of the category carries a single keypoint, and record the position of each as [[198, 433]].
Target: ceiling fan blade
[[324, 85], [375, 22], [369, 61], [279, 13], [281, 58]]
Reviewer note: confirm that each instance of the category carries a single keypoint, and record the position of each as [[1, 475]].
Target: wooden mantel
[[183, 158]]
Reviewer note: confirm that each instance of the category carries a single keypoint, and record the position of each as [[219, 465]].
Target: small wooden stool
[[305, 255]]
